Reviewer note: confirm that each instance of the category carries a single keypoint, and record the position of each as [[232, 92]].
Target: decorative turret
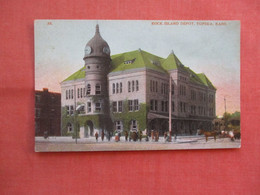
[[97, 47]]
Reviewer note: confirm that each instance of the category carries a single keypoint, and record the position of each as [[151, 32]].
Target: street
[[89, 144]]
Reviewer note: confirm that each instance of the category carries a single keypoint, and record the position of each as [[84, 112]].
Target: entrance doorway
[[89, 129]]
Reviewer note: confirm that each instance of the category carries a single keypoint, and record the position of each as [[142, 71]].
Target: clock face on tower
[[106, 50], [87, 50]]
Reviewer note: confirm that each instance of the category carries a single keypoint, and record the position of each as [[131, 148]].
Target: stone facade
[[130, 91]]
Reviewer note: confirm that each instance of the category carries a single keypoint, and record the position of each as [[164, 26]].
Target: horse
[[208, 134], [237, 134]]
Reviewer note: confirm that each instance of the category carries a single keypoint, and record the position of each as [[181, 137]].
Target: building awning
[[152, 116]]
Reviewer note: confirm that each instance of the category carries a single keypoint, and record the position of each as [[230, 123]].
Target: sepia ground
[[57, 144]]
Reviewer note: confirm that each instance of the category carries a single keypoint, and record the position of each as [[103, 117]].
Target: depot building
[[130, 92]]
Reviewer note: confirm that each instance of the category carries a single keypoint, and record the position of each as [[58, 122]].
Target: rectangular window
[[120, 106], [136, 105], [71, 110], [68, 110], [180, 106], [67, 95], [121, 87], [114, 106], [156, 86], [98, 107], [137, 85], [78, 93], [162, 106], [134, 125], [117, 88], [88, 89], [133, 85], [155, 105], [162, 88], [118, 125], [130, 105], [71, 91], [89, 106], [151, 86], [84, 91], [81, 92], [151, 104], [166, 106], [172, 106], [114, 88], [129, 86], [98, 89]]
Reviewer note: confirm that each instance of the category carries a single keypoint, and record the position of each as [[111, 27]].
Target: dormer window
[[130, 61], [155, 63]]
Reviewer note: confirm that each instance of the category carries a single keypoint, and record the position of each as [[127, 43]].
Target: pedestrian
[[165, 135], [102, 135], [130, 135], [147, 137], [108, 135], [156, 136], [96, 135], [134, 136], [126, 135], [140, 135], [119, 135], [152, 135]]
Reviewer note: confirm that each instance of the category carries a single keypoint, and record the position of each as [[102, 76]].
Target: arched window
[[88, 89]]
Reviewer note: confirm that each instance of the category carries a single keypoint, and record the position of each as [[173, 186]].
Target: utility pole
[[170, 109], [225, 104]]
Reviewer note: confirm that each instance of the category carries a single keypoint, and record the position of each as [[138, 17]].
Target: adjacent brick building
[[47, 113], [130, 91]]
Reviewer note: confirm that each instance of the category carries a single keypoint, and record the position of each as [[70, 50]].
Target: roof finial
[[172, 51], [97, 29], [139, 49]]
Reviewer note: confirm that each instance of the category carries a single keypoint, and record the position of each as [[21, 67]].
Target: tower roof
[[97, 46]]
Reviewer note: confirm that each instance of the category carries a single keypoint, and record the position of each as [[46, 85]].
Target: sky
[[210, 47]]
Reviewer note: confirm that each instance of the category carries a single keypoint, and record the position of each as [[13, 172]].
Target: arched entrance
[[88, 129]]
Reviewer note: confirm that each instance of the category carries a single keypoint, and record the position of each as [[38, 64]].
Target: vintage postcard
[[107, 85]]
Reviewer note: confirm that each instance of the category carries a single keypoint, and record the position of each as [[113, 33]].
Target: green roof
[[205, 80], [142, 59], [80, 74], [135, 59], [171, 62]]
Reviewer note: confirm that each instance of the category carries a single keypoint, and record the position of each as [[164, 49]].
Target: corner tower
[[97, 64]]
